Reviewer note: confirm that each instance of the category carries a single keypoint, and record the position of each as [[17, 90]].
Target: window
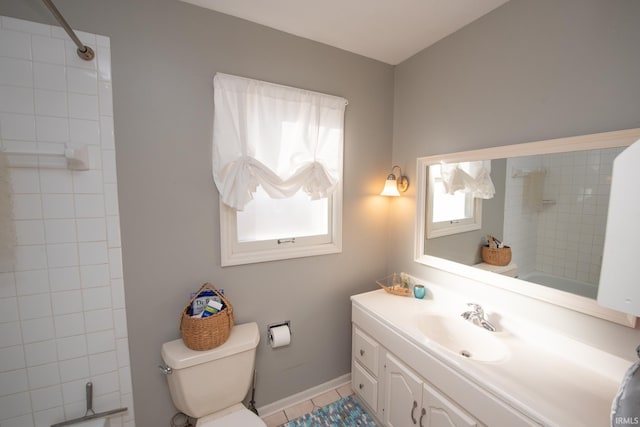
[[277, 163], [455, 193]]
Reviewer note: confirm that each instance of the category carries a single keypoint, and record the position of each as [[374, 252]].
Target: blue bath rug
[[346, 412]]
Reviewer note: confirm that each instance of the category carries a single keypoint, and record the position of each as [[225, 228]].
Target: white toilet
[[210, 385]]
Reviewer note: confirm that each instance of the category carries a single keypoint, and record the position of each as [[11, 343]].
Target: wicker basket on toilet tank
[[496, 256]]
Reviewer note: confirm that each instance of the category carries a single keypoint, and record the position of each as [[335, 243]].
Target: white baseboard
[[310, 393]]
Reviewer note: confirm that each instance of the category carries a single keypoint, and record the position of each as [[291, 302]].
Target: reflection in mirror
[[550, 206]]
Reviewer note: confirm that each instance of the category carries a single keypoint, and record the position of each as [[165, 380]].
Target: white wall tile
[[102, 363], [106, 383], [25, 26], [91, 230], [21, 421], [10, 335], [74, 391], [66, 302], [46, 398], [107, 136], [103, 56], [89, 182], [15, 44], [64, 279], [62, 255], [29, 232], [83, 106], [106, 99], [122, 350], [99, 320], [41, 352], [11, 358], [30, 258], [117, 293], [69, 324], [46, 49], [7, 286], [32, 282], [52, 129], [113, 231], [49, 76], [82, 81], [51, 103], [72, 347], [15, 405], [25, 181], [109, 166], [13, 382], [43, 376], [60, 231], [84, 131], [89, 206], [99, 342], [93, 253], [16, 72], [120, 323], [15, 99], [56, 180], [27, 206], [74, 369], [48, 417], [36, 330], [20, 127], [57, 206], [34, 306], [72, 58], [94, 275], [8, 309], [115, 265], [111, 199], [96, 298]]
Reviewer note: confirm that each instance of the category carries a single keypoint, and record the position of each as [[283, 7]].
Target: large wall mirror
[[548, 202]]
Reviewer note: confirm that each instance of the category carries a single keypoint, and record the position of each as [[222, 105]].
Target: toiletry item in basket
[[212, 308], [199, 303]]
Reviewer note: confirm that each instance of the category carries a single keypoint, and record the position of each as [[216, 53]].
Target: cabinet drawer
[[365, 351], [365, 386]]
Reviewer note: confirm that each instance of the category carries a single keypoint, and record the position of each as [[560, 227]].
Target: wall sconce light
[[393, 186]]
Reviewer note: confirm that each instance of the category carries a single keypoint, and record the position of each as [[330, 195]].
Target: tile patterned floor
[[293, 412]]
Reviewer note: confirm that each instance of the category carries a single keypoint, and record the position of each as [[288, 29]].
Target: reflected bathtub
[[588, 290]]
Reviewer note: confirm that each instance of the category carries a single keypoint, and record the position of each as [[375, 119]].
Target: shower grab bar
[[77, 158], [84, 52]]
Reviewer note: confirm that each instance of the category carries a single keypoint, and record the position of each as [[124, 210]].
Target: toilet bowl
[[210, 385]]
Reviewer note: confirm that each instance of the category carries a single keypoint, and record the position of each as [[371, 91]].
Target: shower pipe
[[84, 52]]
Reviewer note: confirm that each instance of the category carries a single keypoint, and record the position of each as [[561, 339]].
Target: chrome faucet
[[476, 316]]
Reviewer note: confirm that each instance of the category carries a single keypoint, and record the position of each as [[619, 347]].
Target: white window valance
[[469, 177], [281, 138]]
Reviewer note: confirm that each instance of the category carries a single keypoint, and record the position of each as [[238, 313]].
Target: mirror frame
[[581, 304]]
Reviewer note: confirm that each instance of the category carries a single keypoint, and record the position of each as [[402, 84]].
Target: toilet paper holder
[[275, 325]]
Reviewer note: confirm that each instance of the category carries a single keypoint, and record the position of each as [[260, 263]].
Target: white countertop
[[554, 379]]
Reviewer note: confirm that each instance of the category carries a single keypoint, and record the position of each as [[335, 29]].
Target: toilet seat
[[240, 418]]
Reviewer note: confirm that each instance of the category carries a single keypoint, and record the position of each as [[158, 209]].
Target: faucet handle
[[477, 308]]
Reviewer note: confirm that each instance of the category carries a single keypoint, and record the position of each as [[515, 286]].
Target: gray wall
[[165, 54], [528, 71]]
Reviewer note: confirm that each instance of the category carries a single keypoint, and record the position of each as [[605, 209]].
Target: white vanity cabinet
[[403, 385], [410, 400]]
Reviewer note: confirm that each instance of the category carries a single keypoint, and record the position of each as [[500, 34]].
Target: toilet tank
[[205, 382]]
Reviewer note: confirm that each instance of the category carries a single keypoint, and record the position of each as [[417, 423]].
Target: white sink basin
[[462, 337]]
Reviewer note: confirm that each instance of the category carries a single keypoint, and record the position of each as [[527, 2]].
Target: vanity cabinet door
[[438, 411], [402, 395]]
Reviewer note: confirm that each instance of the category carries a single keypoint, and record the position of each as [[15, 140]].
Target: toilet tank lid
[[243, 337]]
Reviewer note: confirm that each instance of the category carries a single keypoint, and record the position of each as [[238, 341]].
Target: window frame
[[447, 228], [233, 252]]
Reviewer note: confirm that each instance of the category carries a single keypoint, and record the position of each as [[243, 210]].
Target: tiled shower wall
[[566, 238], [62, 308]]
